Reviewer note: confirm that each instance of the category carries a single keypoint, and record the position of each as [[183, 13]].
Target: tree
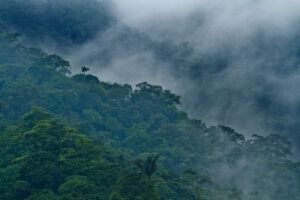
[[115, 196], [154, 92], [148, 166], [32, 118], [84, 69], [59, 63]]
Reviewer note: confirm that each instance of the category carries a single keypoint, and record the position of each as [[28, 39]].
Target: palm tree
[[84, 69], [148, 166]]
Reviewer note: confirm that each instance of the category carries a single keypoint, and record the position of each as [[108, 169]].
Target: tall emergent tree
[[84, 69]]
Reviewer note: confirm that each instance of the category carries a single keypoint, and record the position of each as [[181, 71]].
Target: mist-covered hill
[[229, 65], [246, 81], [217, 160]]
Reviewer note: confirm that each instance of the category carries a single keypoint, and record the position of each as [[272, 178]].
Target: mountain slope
[[142, 121]]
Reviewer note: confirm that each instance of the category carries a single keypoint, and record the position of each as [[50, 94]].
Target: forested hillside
[[265, 67], [76, 136], [43, 159], [265, 64]]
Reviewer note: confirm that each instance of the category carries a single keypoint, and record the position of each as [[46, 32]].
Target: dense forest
[[72, 136]]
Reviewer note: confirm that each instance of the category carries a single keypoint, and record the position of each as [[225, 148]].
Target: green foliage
[[31, 119], [79, 188], [115, 196], [137, 187], [155, 93], [44, 195], [51, 161], [43, 159]]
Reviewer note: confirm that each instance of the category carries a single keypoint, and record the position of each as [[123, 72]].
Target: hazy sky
[[233, 25], [228, 16]]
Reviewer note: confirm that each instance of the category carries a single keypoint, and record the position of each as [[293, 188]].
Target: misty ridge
[[234, 63]]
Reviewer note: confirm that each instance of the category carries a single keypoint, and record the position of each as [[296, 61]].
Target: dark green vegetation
[[43, 159], [109, 153]]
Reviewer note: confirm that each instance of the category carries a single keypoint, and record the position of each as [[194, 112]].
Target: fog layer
[[256, 41]]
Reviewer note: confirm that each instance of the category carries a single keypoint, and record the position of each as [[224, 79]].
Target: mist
[[256, 89], [218, 19], [254, 40], [235, 62]]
